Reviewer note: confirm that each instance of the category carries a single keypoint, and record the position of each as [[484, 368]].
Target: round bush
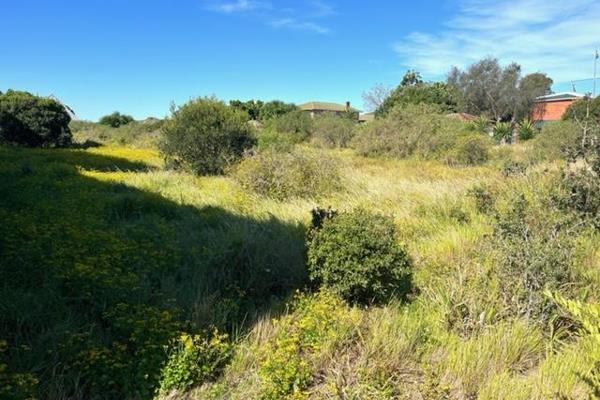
[[358, 257], [115, 119], [286, 174], [205, 136], [33, 121]]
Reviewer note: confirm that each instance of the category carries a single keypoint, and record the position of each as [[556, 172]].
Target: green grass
[[106, 257]]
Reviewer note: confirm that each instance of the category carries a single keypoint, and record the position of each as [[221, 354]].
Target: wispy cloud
[[239, 6], [550, 36], [307, 16], [292, 23]]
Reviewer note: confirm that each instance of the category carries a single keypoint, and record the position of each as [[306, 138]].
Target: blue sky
[[138, 57]]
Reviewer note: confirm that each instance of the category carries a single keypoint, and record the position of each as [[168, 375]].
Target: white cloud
[[301, 18], [550, 36], [239, 6]]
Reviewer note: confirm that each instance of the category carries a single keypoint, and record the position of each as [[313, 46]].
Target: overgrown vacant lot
[[107, 258]]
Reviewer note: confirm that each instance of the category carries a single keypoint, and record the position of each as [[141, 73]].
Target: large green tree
[[412, 90], [502, 93], [33, 121]]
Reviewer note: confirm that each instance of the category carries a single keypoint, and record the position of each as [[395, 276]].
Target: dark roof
[[560, 96]]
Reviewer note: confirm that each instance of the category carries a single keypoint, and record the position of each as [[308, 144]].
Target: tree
[[374, 97], [502, 93], [205, 136], [531, 87], [116, 119], [411, 78], [33, 121], [436, 93], [275, 108], [252, 107]]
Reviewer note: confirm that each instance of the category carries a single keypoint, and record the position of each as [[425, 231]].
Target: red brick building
[[553, 106]]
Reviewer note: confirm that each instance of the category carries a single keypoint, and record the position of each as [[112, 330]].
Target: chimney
[[347, 106]]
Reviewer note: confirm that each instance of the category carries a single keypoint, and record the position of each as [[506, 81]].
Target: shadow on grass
[[96, 277]]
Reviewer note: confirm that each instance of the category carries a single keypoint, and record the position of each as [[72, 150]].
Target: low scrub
[[297, 124], [195, 359], [411, 130], [141, 134], [557, 140], [333, 131], [470, 150], [284, 175], [535, 254], [319, 324], [357, 256], [507, 347]]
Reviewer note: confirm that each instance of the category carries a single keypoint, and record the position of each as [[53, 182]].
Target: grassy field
[[107, 257]]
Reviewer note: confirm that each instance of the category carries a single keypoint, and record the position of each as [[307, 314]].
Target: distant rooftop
[[561, 96], [367, 117], [324, 106]]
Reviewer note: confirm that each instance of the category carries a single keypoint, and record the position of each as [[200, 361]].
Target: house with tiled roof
[[315, 108]]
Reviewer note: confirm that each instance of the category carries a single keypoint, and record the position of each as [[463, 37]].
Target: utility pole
[[595, 69]]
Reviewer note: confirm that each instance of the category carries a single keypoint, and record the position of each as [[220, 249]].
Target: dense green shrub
[[195, 359], [357, 256], [556, 140], [470, 150], [269, 139], [579, 192], [333, 131], [440, 94], [298, 124], [583, 110], [275, 108], [33, 121], [205, 136], [287, 174], [412, 130], [115, 119]]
